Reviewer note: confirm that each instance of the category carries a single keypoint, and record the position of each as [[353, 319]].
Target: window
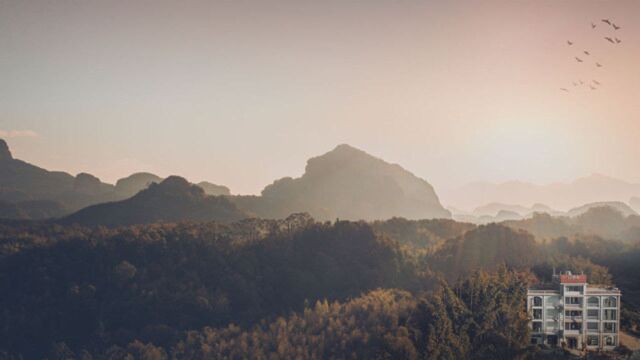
[[609, 315], [575, 288], [609, 327], [573, 325], [572, 300], [593, 301], [537, 326], [592, 326], [537, 301], [573, 313], [552, 314], [593, 314], [592, 340], [609, 340], [537, 314], [610, 301]]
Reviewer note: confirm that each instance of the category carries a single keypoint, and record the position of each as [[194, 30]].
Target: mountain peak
[[174, 185], [342, 156], [172, 200], [175, 181], [5, 153], [346, 148], [348, 183]]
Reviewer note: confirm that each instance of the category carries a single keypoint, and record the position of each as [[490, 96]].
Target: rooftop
[[595, 290], [569, 278]]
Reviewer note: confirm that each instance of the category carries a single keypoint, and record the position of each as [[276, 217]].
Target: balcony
[[572, 332]]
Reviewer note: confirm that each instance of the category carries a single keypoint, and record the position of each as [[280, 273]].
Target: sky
[[243, 92]]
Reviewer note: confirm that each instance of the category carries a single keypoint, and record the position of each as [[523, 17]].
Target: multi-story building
[[570, 312]]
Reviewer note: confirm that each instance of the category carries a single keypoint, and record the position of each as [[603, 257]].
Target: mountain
[[172, 200], [635, 203], [31, 210], [498, 212], [495, 208], [612, 221], [621, 207], [562, 196], [135, 183], [30, 192], [21, 181], [348, 183], [213, 189]]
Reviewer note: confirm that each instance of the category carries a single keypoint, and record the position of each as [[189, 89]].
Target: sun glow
[[524, 147]]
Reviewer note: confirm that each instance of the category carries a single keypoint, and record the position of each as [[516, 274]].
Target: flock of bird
[[586, 55]]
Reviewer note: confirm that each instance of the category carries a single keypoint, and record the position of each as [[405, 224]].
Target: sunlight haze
[[243, 92]]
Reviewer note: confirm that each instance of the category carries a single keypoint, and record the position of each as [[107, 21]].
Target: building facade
[[571, 313]]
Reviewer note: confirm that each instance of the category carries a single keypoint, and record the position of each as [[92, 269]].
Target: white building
[[570, 312]]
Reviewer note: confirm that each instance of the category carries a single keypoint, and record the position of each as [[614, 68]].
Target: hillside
[[485, 247], [604, 221], [172, 200], [348, 183], [31, 210]]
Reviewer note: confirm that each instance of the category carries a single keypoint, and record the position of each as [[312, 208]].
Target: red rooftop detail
[[573, 279]]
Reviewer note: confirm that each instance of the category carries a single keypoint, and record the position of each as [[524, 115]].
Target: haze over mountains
[[348, 183], [345, 183], [28, 191], [559, 196], [172, 200]]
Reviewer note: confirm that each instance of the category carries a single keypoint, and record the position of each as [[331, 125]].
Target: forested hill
[[92, 289], [281, 288]]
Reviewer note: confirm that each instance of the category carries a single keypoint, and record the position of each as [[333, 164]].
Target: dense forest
[[292, 288]]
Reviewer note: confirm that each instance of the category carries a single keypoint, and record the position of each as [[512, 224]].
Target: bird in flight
[[593, 26], [596, 82], [586, 52], [569, 42], [564, 89], [618, 41], [598, 64], [575, 83], [578, 59], [581, 82], [616, 26], [606, 21], [609, 39], [592, 87]]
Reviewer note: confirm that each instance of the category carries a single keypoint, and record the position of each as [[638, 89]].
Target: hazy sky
[[243, 92]]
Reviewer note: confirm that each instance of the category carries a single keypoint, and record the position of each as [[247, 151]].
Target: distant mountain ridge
[[348, 183], [345, 183], [28, 191], [497, 212], [172, 200], [606, 221], [560, 196]]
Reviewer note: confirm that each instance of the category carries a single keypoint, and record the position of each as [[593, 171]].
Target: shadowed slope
[[172, 200]]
